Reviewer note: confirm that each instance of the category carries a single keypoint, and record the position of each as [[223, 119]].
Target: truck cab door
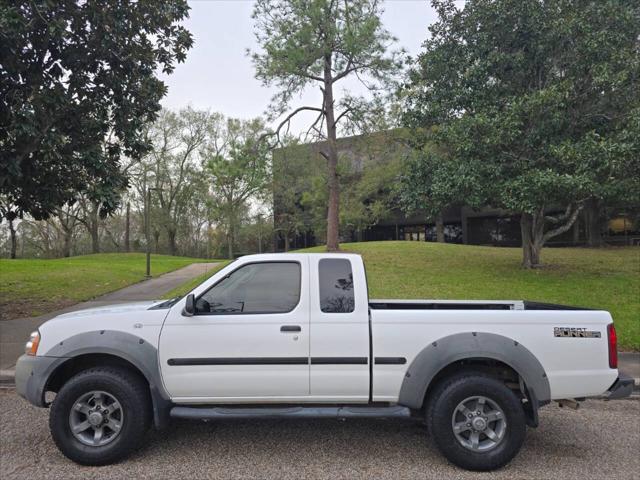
[[248, 340], [340, 355]]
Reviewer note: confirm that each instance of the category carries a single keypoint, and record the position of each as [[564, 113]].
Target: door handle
[[290, 328]]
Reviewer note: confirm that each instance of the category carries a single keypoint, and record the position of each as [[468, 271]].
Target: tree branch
[[287, 121], [560, 218], [348, 109], [563, 228], [313, 126]]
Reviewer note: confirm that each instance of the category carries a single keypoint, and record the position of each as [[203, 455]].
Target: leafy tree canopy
[[77, 85], [540, 99], [237, 166]]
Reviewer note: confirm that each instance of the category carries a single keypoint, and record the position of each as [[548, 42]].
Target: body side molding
[[238, 361], [390, 360], [176, 362]]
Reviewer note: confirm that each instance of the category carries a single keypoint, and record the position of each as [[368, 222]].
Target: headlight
[[32, 345]]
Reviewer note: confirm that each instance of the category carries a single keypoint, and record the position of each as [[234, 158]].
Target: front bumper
[[621, 388], [32, 375]]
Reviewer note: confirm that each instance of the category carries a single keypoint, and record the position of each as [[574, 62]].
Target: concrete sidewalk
[[14, 333]]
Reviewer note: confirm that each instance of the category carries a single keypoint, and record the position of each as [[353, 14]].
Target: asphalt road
[[601, 440]]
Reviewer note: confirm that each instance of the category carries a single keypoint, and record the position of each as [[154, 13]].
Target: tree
[[237, 168], [434, 180], [8, 212], [262, 230], [294, 172], [89, 215], [528, 96], [321, 42], [171, 168], [65, 223], [77, 85], [371, 167], [615, 162]]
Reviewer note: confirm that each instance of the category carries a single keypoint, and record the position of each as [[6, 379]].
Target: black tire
[[440, 410], [133, 395]]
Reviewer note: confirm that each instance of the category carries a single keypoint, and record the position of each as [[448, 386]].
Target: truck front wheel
[[476, 422], [100, 415]]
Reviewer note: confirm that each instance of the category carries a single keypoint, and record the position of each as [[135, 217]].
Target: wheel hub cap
[[478, 423], [96, 418]]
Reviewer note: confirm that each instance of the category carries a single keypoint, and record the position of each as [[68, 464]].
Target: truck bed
[[466, 305]]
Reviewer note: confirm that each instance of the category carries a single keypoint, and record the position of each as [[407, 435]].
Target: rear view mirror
[[189, 306]]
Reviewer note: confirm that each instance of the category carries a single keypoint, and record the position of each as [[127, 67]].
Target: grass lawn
[[608, 278], [31, 286]]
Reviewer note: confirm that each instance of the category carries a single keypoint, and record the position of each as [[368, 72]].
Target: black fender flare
[[447, 350], [131, 348]]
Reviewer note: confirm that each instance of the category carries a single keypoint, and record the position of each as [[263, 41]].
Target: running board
[[210, 413]]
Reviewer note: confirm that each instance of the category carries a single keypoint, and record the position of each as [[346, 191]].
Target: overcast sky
[[219, 76]]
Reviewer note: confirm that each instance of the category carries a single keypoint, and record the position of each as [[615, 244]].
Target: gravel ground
[[601, 440]]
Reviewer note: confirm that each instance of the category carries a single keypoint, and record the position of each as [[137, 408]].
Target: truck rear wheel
[[100, 415], [476, 422]]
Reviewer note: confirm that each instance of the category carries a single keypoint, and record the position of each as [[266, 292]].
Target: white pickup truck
[[296, 335]]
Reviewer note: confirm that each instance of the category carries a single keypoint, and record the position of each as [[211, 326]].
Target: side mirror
[[189, 306]]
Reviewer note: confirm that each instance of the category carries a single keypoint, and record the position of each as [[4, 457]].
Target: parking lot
[[601, 440]]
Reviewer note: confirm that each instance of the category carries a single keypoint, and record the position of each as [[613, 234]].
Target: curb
[[7, 378]]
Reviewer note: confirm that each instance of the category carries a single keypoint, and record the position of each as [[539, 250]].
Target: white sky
[[219, 76]]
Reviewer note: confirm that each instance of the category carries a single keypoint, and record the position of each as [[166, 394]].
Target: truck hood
[[135, 318], [112, 309]]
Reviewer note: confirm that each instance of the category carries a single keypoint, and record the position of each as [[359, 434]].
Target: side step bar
[[219, 413]]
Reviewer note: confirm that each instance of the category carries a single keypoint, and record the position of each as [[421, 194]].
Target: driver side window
[[269, 287]]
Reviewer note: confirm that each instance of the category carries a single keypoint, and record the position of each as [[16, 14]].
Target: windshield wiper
[[167, 303]]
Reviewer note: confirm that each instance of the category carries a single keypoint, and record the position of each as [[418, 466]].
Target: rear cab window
[[335, 277]]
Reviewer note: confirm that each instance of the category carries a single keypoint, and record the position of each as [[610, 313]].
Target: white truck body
[[575, 367], [356, 352]]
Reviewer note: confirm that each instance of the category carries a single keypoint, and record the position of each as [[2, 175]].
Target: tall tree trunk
[[592, 223], [286, 241], [66, 246], [230, 235], [127, 229], [46, 240], [14, 242], [95, 238], [333, 210], [531, 227], [156, 240], [440, 228], [92, 226], [171, 237]]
